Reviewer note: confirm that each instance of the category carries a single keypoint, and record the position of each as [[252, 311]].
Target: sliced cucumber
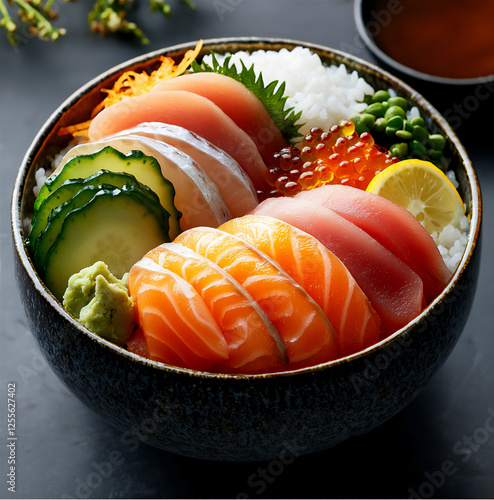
[[146, 170], [70, 188], [48, 235], [117, 227], [55, 222]]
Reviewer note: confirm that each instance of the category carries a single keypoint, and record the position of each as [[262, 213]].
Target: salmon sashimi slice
[[234, 186], [323, 276], [238, 102], [392, 226], [179, 328], [188, 110], [254, 343], [394, 290], [306, 331]]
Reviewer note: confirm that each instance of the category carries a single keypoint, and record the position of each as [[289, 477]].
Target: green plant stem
[[7, 23], [41, 25]]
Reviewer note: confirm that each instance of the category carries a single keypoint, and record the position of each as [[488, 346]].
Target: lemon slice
[[424, 190]]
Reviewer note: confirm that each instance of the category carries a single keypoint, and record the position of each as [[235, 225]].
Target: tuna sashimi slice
[[179, 328], [254, 343], [394, 290], [323, 276], [392, 226], [238, 102], [306, 331], [232, 182], [188, 110]]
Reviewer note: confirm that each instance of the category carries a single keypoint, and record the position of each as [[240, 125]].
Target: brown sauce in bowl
[[447, 38]]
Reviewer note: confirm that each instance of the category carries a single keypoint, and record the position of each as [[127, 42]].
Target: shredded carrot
[[131, 84]]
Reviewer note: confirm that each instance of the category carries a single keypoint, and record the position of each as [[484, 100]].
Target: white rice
[[40, 177], [452, 240], [324, 94]]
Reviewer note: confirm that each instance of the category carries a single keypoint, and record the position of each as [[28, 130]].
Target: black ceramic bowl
[[224, 417]]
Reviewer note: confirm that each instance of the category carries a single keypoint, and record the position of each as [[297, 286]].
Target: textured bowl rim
[[22, 253], [358, 14]]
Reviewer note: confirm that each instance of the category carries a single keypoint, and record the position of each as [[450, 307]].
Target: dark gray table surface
[[441, 445]]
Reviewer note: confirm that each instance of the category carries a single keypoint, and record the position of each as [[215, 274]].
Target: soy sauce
[[447, 38]]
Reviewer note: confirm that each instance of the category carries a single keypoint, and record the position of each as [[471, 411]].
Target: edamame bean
[[418, 121], [367, 119], [404, 134], [398, 101], [376, 108], [438, 141], [435, 154], [418, 148], [390, 131], [380, 124], [381, 96], [395, 111], [420, 133], [395, 122], [360, 127], [399, 149]]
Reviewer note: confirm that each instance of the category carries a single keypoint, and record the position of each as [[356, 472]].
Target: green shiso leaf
[[271, 95]]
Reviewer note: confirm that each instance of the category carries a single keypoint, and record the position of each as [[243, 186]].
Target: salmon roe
[[337, 156]]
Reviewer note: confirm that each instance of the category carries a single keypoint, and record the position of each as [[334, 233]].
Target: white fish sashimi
[[234, 185], [196, 195]]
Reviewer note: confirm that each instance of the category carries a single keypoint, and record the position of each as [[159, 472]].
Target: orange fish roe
[[338, 156]]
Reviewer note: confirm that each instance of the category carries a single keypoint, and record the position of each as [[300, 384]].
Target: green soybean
[[390, 131], [377, 109], [398, 101], [367, 119], [380, 124], [399, 149], [380, 96], [395, 111], [418, 148], [435, 154], [404, 134], [418, 121], [395, 122], [438, 141], [420, 133]]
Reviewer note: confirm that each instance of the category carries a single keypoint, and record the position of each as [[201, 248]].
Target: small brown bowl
[[235, 417]]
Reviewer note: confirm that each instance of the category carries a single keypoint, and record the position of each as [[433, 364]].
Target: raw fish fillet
[[323, 276], [196, 195], [306, 331], [234, 186], [392, 226], [238, 102], [180, 329], [188, 110], [394, 290], [254, 343]]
